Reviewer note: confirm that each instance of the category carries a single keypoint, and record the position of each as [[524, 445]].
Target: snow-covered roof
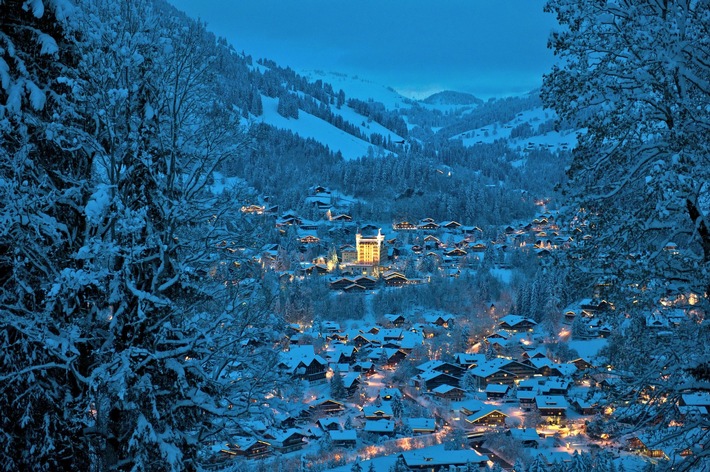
[[373, 410], [379, 426], [551, 401], [437, 456], [444, 388], [696, 399], [524, 434], [346, 435], [483, 412], [421, 424]]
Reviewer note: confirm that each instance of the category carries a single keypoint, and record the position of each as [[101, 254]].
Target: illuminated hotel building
[[370, 249]]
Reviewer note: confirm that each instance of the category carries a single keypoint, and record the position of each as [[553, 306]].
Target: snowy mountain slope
[[357, 87], [309, 126], [553, 140]]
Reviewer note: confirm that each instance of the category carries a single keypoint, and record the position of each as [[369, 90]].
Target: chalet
[[516, 323], [528, 437], [374, 412], [456, 253], [436, 459], [341, 283], [450, 225], [288, 220], [381, 427], [395, 280], [302, 362], [478, 247], [342, 218], [320, 269], [387, 356], [489, 373], [554, 407], [534, 354], [351, 382], [404, 226], [502, 371], [249, 448], [365, 281], [341, 354], [308, 237], [395, 334], [329, 424], [496, 391], [429, 380], [471, 230], [443, 320], [347, 438], [440, 366], [327, 407], [543, 252], [595, 306], [253, 209], [489, 415], [555, 386], [448, 392], [643, 445], [427, 224], [470, 407], [286, 441], [582, 364], [421, 425], [355, 288], [468, 361], [395, 319], [369, 228], [526, 399], [431, 242], [584, 407], [330, 327], [365, 368], [361, 339]]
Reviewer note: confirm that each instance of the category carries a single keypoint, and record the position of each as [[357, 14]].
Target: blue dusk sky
[[490, 48]]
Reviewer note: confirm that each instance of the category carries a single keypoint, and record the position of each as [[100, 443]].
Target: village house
[[250, 448], [516, 323], [440, 366], [404, 226], [286, 441], [379, 427], [326, 407], [302, 362], [552, 407], [374, 412], [395, 320], [528, 437], [448, 392], [346, 438], [488, 415], [429, 380], [436, 459], [421, 425]]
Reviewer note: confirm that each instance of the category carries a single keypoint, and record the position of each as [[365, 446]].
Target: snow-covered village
[[278, 236]]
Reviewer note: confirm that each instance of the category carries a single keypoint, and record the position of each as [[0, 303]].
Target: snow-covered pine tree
[[635, 77], [44, 170], [337, 388], [178, 310], [123, 314]]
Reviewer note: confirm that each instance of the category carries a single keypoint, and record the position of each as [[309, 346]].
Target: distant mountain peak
[[450, 97]]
